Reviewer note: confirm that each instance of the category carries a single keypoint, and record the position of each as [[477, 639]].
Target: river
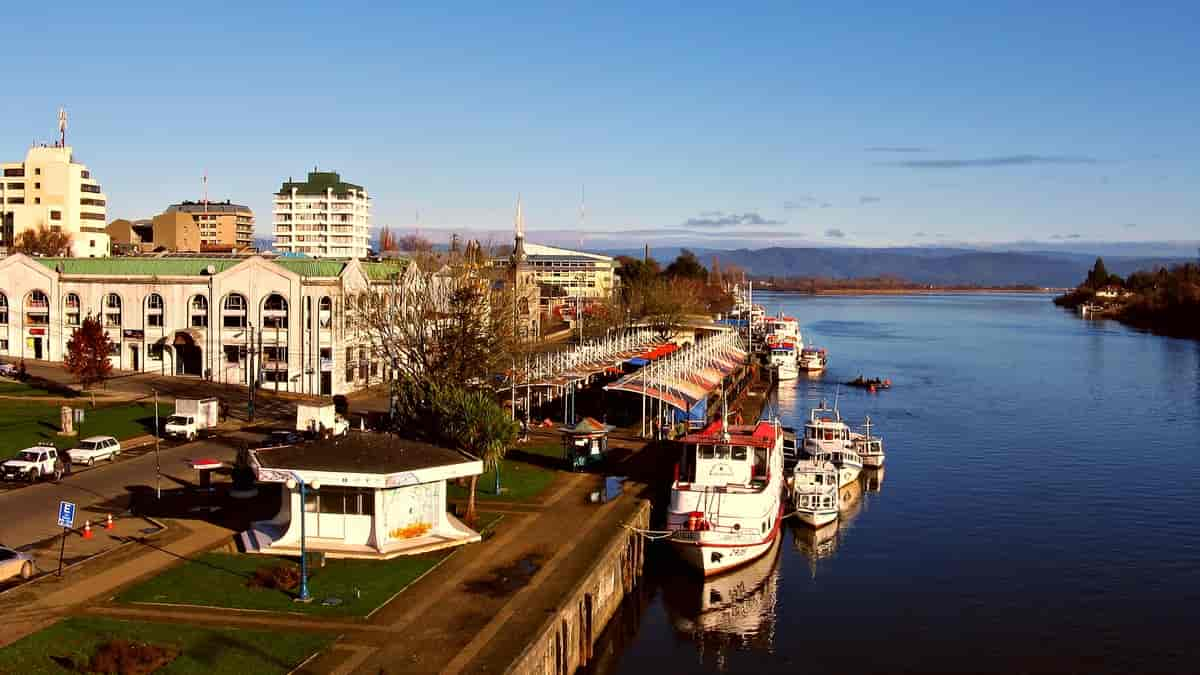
[[1037, 511]]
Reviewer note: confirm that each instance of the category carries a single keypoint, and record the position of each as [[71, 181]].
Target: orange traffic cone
[[108, 525], [87, 529]]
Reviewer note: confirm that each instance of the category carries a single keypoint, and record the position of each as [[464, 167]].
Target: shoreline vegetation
[[1164, 301], [885, 285]]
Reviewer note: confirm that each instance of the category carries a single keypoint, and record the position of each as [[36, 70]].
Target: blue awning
[[637, 361]]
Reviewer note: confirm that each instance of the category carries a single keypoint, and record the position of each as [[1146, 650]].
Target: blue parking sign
[[66, 514]]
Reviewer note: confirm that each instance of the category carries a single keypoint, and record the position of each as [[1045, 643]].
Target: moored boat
[[827, 437], [868, 447], [813, 359], [815, 492], [727, 497], [781, 357]]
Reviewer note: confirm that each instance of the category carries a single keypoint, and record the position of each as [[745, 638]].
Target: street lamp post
[[316, 485]]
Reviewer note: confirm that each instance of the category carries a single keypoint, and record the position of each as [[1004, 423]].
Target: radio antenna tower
[[62, 127]]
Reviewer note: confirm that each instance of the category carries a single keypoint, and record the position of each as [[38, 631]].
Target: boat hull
[[817, 518], [873, 461], [711, 559], [847, 474]]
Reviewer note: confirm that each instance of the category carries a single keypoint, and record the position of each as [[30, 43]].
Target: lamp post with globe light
[[291, 485]]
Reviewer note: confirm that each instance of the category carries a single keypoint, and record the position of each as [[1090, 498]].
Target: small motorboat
[[872, 383], [813, 359]]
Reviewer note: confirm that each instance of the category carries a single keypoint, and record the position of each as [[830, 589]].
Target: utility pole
[[250, 371], [157, 464]]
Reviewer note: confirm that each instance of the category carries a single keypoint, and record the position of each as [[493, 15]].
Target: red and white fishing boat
[[727, 498]]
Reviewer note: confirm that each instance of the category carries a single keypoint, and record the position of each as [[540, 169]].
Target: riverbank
[[910, 291]]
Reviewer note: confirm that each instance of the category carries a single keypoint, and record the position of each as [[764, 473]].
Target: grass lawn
[[15, 388], [23, 423], [518, 481], [211, 651], [220, 580], [548, 449]]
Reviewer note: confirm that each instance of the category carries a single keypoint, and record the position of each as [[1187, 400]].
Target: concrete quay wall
[[565, 641]]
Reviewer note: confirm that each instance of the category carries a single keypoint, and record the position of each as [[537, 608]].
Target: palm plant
[[480, 426]]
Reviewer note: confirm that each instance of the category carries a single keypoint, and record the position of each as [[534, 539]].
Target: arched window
[[71, 303], [154, 311], [325, 312], [198, 309], [37, 308], [274, 314], [3, 309], [233, 311], [112, 310]]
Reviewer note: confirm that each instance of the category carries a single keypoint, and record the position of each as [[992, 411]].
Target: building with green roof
[[287, 322], [323, 217]]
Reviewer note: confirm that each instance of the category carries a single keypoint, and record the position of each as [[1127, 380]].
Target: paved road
[[28, 515]]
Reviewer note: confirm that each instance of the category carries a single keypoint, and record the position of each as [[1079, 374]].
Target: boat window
[[739, 453], [827, 501], [722, 452], [706, 451], [829, 434]]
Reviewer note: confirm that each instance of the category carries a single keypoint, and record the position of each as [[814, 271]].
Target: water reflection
[[872, 479], [730, 612], [818, 543]]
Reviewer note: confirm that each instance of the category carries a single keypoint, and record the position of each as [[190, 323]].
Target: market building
[[365, 495], [294, 322]]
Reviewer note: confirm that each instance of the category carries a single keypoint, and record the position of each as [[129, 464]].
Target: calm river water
[[1038, 510]]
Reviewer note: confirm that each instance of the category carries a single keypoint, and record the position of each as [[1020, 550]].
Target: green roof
[[164, 267], [194, 267], [312, 267], [382, 271], [318, 182]]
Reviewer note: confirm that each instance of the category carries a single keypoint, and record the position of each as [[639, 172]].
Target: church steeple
[[518, 254]]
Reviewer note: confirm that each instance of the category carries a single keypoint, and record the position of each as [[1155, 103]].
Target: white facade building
[[51, 189], [292, 320], [322, 217]]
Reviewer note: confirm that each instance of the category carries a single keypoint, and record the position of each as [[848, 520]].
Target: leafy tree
[[1098, 276], [479, 425], [43, 241], [687, 266], [633, 270], [87, 353]]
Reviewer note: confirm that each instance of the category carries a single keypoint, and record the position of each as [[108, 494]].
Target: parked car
[[8, 370], [14, 564], [94, 448], [31, 464]]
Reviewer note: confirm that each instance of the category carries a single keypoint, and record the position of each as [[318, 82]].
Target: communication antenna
[[204, 181], [62, 127]]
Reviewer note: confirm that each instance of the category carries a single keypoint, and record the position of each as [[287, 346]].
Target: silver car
[[14, 564]]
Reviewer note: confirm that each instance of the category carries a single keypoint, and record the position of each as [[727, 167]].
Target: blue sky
[[837, 123]]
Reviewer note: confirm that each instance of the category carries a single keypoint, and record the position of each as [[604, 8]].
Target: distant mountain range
[[939, 266]]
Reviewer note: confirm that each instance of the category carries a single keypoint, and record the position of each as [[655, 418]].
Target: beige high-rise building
[[189, 227], [323, 217], [50, 188]]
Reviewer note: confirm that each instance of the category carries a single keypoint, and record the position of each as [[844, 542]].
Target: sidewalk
[[35, 605]]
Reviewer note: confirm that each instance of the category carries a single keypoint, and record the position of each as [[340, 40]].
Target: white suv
[[94, 448], [32, 463]]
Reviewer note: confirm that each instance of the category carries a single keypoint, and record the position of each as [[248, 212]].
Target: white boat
[[868, 447], [783, 329], [813, 359], [815, 492], [827, 437], [727, 497], [781, 357], [825, 430]]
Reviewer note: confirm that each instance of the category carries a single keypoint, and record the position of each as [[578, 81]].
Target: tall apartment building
[[222, 224], [50, 188], [323, 217]]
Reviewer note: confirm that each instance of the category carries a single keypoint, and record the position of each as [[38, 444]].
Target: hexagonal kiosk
[[367, 495]]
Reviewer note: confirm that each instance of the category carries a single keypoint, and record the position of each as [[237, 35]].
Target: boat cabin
[[723, 456]]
